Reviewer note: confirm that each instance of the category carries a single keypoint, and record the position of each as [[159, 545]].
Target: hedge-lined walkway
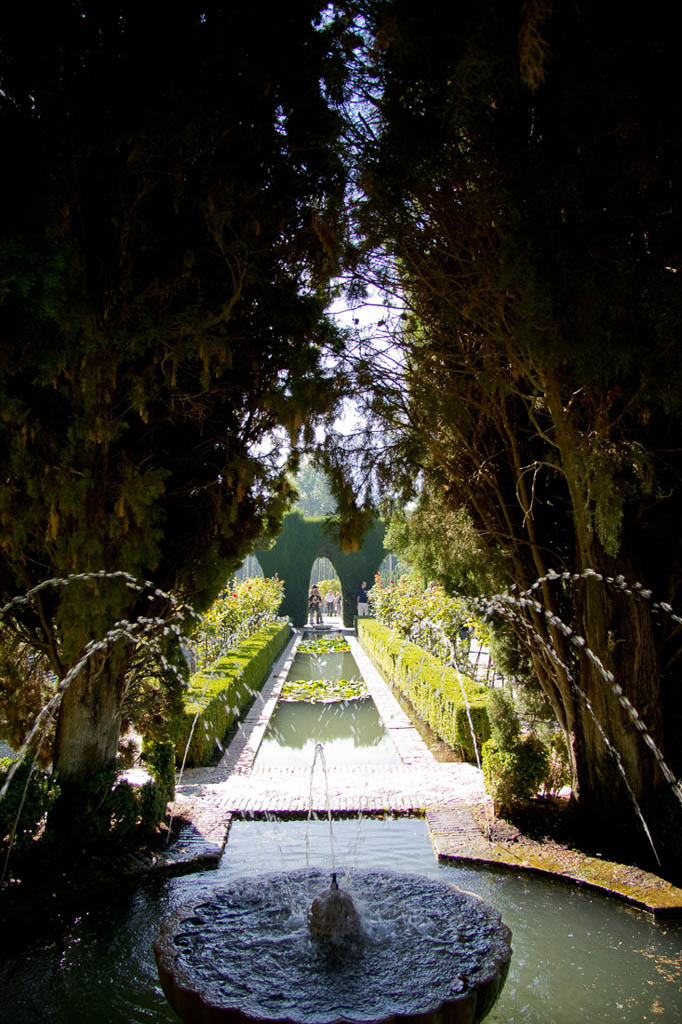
[[208, 798]]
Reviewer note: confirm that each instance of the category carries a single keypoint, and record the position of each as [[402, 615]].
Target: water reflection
[[350, 731], [333, 665]]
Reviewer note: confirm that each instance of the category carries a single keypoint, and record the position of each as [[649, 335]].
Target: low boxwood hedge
[[434, 689], [221, 693]]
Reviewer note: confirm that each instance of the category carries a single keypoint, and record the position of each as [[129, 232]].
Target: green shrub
[[515, 774], [240, 611], [215, 699], [35, 803], [558, 770], [514, 767], [160, 759], [438, 693], [505, 728]]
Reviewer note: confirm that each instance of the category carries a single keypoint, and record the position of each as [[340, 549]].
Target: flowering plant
[[237, 614], [426, 615]]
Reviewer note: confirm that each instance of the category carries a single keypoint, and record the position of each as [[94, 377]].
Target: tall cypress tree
[[170, 216], [523, 173]]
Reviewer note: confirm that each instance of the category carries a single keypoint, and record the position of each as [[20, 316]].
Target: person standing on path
[[363, 600], [315, 606], [329, 601]]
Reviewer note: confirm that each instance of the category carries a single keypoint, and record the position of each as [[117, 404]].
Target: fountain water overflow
[[257, 949]]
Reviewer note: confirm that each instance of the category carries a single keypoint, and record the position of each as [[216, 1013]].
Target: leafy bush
[[31, 802], [443, 697], [26, 685], [116, 808], [236, 615], [514, 767], [427, 616], [160, 759], [215, 698], [326, 585], [516, 774], [505, 728], [558, 770]]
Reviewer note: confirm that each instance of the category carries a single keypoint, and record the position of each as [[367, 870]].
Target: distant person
[[315, 606], [337, 602], [363, 600], [329, 601]]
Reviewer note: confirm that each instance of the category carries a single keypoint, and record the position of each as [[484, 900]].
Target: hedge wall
[[433, 688], [301, 540], [222, 692]]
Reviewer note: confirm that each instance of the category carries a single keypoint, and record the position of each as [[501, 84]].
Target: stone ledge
[[454, 841]]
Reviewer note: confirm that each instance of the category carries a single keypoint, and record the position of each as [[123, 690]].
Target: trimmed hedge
[[434, 689], [221, 693]]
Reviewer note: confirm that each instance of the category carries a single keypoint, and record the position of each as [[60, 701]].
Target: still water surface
[[350, 731], [578, 957]]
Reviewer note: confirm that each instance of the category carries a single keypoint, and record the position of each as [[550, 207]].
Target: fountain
[[418, 949]]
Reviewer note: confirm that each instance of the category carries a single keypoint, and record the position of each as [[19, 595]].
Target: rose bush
[[237, 614], [426, 615]]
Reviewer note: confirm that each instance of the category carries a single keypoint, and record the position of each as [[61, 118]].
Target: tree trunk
[[617, 772], [86, 741]]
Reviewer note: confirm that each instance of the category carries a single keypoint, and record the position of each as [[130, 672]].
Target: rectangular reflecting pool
[[331, 665], [350, 731]]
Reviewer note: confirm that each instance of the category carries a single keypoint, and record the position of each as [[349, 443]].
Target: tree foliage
[[171, 212], [521, 178], [314, 496]]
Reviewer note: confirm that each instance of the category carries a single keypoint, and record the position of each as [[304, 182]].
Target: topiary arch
[[300, 542]]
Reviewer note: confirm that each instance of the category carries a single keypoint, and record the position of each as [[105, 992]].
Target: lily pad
[[323, 690]]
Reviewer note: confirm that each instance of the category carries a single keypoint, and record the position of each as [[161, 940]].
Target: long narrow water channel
[[578, 956], [351, 731]]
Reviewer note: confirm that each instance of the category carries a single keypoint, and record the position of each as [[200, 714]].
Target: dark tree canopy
[[170, 216], [522, 186]]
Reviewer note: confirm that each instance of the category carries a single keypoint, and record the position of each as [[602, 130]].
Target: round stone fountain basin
[[427, 952]]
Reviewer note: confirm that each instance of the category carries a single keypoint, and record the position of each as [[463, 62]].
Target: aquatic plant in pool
[[326, 690], [326, 644]]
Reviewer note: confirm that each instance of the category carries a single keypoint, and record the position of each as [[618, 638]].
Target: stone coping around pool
[[454, 841]]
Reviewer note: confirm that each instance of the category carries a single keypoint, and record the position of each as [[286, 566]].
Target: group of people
[[331, 603]]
